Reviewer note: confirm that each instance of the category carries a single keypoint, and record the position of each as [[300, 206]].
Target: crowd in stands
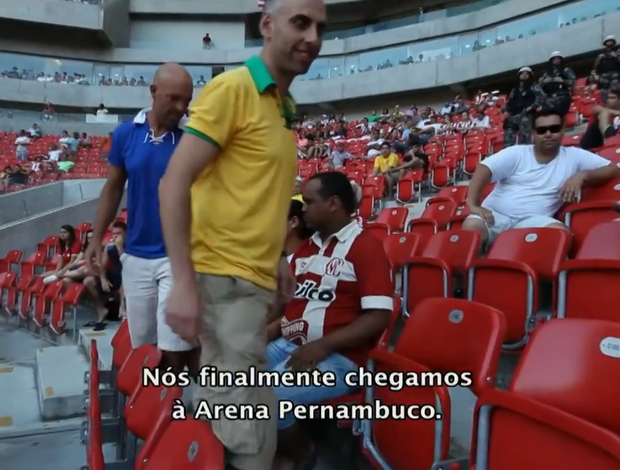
[[395, 154]]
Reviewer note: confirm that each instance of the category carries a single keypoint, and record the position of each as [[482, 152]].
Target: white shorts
[[147, 284], [503, 222]]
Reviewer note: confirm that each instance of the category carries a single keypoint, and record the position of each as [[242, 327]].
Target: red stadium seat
[[409, 186], [456, 193], [183, 445], [394, 218], [400, 248], [69, 300], [508, 279], [582, 216], [27, 297], [378, 230], [431, 274], [442, 335], [43, 302], [611, 153], [609, 191], [129, 376], [435, 217], [587, 284], [563, 397], [145, 406]]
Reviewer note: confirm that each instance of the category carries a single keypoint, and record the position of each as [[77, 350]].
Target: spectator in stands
[[297, 189], [606, 70], [22, 142], [102, 110], [532, 182], [414, 159], [108, 279], [373, 147], [85, 141], [604, 122], [48, 112], [481, 120], [239, 266], [523, 100], [76, 271], [12, 176], [139, 154], [54, 153], [207, 43], [335, 330], [35, 131], [70, 142], [69, 248], [339, 155], [65, 165], [557, 83], [384, 163]]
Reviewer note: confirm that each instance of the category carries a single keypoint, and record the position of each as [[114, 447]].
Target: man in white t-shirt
[[533, 181], [22, 142]]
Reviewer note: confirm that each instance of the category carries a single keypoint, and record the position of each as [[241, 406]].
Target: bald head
[[171, 71], [171, 90]]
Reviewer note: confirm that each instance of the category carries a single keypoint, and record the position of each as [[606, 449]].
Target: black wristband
[[284, 254]]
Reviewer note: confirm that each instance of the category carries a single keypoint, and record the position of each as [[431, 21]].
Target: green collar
[[264, 81]]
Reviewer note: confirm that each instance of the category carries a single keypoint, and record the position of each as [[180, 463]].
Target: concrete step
[[103, 339], [60, 377]]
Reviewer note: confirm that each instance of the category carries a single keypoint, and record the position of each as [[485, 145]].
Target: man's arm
[[211, 126], [114, 187], [596, 170], [541, 96], [494, 168]]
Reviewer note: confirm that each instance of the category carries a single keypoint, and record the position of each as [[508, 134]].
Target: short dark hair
[[119, 224], [546, 112], [296, 209], [336, 184]]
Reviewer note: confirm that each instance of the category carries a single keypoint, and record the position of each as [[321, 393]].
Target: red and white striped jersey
[[337, 280]]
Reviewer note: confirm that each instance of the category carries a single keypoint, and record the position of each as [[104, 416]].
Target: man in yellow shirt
[[224, 204], [384, 162]]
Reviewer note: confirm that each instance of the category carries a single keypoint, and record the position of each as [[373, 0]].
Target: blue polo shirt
[[145, 161]]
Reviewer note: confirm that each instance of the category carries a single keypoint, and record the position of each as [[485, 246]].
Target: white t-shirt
[[483, 123], [526, 188], [22, 142], [54, 155]]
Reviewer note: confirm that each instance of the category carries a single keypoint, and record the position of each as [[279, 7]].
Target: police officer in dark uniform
[[557, 83], [523, 100], [607, 68]]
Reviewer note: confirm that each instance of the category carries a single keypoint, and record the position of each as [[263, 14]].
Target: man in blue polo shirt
[[139, 154]]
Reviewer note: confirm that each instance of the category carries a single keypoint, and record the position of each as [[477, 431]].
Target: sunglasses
[[542, 130]]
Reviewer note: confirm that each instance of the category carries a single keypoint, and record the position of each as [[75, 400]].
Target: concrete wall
[[16, 124], [25, 234], [116, 24], [205, 7], [439, 73], [71, 14], [157, 33], [454, 26], [33, 201]]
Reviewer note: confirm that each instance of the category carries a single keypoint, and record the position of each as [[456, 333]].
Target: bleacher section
[[536, 297]]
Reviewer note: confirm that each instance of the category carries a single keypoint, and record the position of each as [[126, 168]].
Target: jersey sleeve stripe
[[377, 302], [191, 130]]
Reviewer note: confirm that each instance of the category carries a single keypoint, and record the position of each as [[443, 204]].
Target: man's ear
[[266, 25]]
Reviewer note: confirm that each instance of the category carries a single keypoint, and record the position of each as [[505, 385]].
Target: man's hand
[[184, 310], [286, 282], [106, 286], [307, 357], [92, 256], [572, 187], [484, 214]]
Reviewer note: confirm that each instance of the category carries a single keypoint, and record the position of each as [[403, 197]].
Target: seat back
[[583, 216], [394, 218], [185, 444], [542, 249], [453, 335], [572, 364], [441, 213], [609, 191], [130, 374], [456, 248], [400, 247], [456, 193], [378, 230], [601, 242], [145, 406]]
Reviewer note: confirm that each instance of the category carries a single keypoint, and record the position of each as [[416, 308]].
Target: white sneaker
[[50, 279]]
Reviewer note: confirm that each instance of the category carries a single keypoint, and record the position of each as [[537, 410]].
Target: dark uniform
[[522, 101], [607, 68], [559, 94]]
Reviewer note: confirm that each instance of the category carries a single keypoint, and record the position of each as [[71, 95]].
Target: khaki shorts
[[233, 338]]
